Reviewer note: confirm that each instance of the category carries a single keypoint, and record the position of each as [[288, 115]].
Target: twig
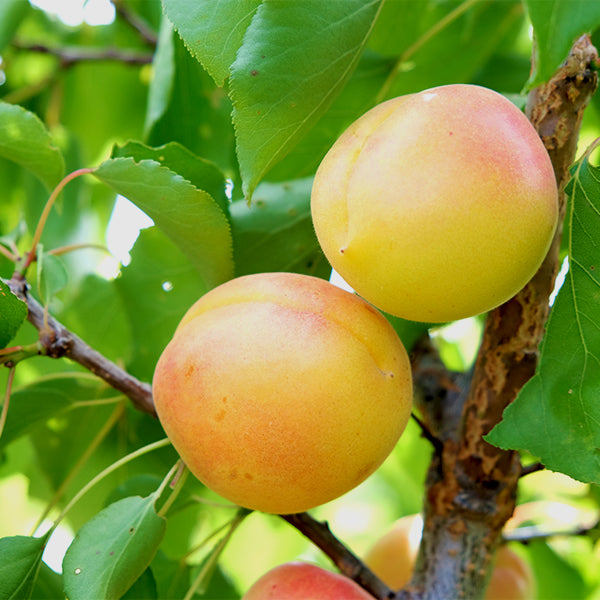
[[524, 535], [146, 33], [533, 468], [348, 564], [59, 342], [70, 56]]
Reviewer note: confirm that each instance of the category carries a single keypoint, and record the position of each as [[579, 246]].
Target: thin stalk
[[418, 44], [211, 563], [46, 212], [180, 475], [98, 438], [71, 247], [116, 465], [8, 254], [4, 412]]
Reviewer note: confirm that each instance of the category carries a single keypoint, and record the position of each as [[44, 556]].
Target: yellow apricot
[[282, 391], [304, 581], [392, 557], [437, 205]]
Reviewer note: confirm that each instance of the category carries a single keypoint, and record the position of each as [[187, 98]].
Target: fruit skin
[[281, 391], [304, 581], [438, 205], [392, 558]]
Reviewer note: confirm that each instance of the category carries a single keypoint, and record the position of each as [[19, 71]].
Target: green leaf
[[112, 550], [192, 111], [25, 140], [46, 398], [143, 589], [157, 287], [203, 174], [20, 559], [557, 24], [562, 397], [161, 85], [12, 12], [13, 312], [188, 215], [294, 60], [276, 233], [556, 579], [212, 31], [52, 275]]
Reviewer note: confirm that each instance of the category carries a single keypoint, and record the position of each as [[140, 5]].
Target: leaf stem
[[418, 44], [119, 463], [180, 475], [71, 247], [8, 254], [46, 212], [4, 411], [209, 566]]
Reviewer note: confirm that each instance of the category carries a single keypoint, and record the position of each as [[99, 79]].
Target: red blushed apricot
[[304, 581], [438, 205], [282, 392]]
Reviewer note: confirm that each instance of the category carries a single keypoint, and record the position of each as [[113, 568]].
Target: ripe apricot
[[304, 581], [437, 205], [282, 391]]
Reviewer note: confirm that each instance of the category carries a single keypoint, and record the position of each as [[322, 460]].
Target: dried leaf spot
[[254, 72], [131, 529]]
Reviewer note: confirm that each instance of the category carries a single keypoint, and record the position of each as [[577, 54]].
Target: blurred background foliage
[[87, 71]]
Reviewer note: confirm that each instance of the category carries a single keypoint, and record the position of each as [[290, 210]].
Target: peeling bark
[[471, 485]]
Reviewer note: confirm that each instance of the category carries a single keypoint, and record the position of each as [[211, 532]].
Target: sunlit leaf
[[25, 140], [212, 31], [202, 173], [557, 414], [188, 215], [112, 550], [557, 24], [294, 60], [12, 314], [12, 12]]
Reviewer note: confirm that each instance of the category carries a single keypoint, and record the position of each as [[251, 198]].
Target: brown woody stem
[[471, 486], [58, 342]]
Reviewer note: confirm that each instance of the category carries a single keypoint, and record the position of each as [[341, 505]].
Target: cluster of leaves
[[212, 118]]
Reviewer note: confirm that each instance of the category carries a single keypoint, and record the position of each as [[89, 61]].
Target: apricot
[[392, 558], [282, 391], [437, 205], [304, 581]]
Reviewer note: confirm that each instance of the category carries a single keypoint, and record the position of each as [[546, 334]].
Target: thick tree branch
[[57, 342], [471, 487], [348, 564]]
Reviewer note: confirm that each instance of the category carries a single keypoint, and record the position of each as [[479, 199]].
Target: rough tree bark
[[471, 485]]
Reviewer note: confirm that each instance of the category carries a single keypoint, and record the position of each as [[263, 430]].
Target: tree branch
[[71, 56], [347, 563], [58, 342], [471, 488]]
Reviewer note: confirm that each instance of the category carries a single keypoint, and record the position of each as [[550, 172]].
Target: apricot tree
[[157, 158]]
